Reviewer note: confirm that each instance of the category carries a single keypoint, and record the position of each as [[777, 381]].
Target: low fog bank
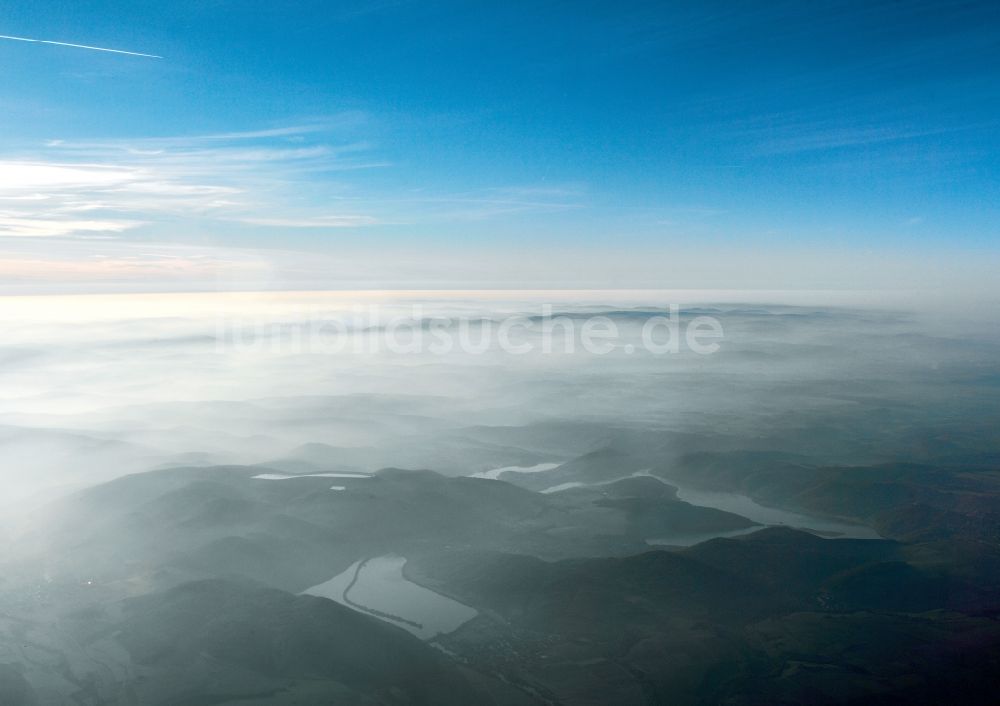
[[98, 387], [627, 498]]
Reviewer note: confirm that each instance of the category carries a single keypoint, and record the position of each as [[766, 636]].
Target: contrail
[[80, 46]]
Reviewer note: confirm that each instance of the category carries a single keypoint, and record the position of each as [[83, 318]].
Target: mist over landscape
[[255, 379], [196, 516]]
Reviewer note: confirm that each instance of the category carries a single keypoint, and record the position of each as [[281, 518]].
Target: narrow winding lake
[[748, 508]]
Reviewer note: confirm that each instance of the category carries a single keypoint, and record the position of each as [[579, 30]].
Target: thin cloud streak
[[280, 178], [255, 178], [79, 46], [344, 221], [11, 225]]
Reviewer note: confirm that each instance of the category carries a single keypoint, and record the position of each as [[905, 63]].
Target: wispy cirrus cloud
[[44, 199], [839, 128], [34, 227], [254, 177], [820, 138], [121, 208], [297, 177], [315, 222]]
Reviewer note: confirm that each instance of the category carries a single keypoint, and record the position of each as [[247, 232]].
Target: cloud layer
[[110, 187]]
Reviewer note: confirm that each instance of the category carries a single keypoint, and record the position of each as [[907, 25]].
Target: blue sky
[[354, 130]]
